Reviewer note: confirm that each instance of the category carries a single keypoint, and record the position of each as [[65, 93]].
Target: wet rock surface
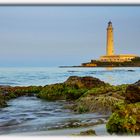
[[132, 94], [84, 82], [79, 123], [89, 132], [73, 88], [125, 120], [137, 83], [126, 115]]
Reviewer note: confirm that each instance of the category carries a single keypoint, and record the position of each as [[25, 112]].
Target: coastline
[[98, 66], [87, 95]]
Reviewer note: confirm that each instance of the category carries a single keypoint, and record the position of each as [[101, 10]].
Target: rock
[[88, 132], [137, 83], [84, 82], [2, 101], [132, 94], [101, 104], [131, 70], [4, 86], [73, 88], [125, 120]]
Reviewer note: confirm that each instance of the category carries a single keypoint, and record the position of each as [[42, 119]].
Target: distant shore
[[94, 66], [96, 63]]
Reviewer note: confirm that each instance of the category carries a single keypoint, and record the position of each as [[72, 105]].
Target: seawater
[[30, 114], [50, 75]]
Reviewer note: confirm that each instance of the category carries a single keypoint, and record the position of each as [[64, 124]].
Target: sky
[[37, 36]]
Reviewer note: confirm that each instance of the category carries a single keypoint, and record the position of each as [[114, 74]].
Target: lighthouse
[[110, 55], [110, 40]]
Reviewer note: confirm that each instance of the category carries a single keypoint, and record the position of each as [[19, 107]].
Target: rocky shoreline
[[89, 95]]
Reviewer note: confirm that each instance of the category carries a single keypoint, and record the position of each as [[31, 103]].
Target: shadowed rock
[[88, 133], [132, 94], [137, 83], [84, 82]]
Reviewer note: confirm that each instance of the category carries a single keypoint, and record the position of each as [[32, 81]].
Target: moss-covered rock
[[8, 92], [73, 88], [29, 90], [132, 94], [125, 119], [115, 91], [89, 132], [100, 99], [84, 82], [61, 91], [2, 101], [53, 92], [101, 104]]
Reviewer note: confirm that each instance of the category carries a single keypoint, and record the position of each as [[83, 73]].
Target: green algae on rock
[[89, 132], [73, 88], [8, 92], [101, 99], [126, 116], [2, 101], [107, 89], [132, 94], [125, 120], [61, 92], [101, 104], [87, 82]]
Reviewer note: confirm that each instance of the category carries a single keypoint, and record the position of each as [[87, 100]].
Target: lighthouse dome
[[109, 22]]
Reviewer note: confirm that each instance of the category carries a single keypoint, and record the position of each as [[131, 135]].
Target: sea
[[25, 76], [33, 116]]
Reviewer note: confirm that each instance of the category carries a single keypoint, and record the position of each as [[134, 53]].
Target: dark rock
[[4, 86], [131, 70], [132, 94], [137, 83], [88, 132], [84, 82], [2, 101]]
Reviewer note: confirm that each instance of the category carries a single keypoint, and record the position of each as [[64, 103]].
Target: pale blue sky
[[64, 35]]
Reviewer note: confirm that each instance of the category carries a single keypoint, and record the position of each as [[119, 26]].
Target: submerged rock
[[78, 123], [89, 132], [131, 70]]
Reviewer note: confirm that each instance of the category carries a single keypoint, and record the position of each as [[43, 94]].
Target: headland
[[111, 59]]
